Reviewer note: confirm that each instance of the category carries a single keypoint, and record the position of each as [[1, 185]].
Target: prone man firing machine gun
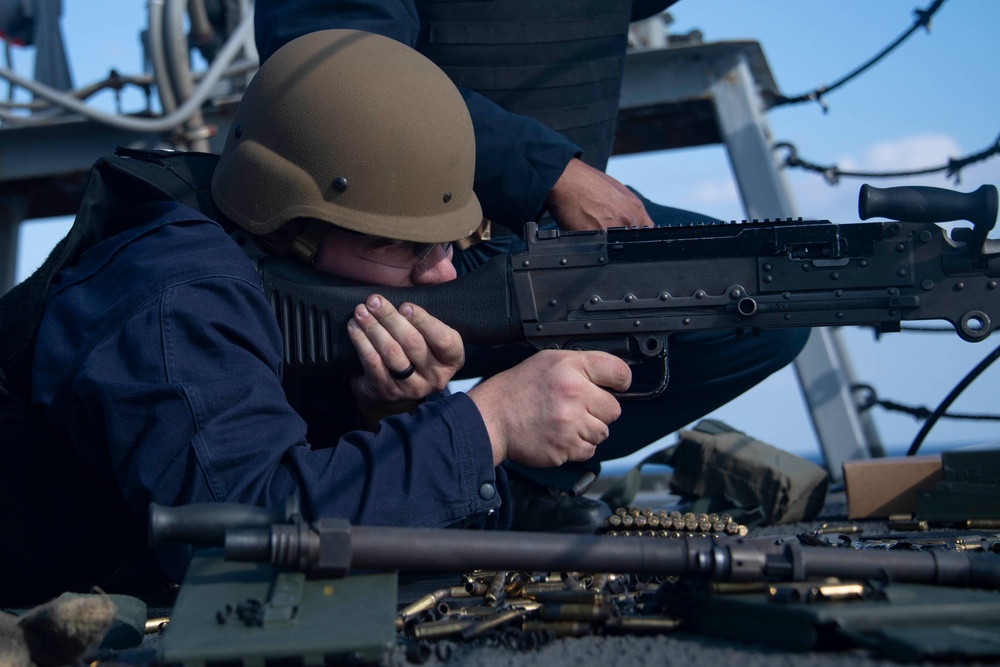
[[625, 291]]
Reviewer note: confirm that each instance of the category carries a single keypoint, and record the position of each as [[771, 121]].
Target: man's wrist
[[480, 395]]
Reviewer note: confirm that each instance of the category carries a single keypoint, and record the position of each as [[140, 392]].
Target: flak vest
[[559, 62]]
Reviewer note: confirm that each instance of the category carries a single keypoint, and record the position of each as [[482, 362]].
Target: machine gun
[[333, 547], [625, 291]]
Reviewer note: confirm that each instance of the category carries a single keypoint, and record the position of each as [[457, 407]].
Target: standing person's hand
[[406, 355], [553, 407], [585, 198]]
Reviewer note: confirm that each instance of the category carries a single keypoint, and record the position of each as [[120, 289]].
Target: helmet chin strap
[[306, 245]]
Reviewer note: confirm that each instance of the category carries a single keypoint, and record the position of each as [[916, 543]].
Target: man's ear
[[282, 240]]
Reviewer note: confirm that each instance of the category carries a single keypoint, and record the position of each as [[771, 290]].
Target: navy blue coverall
[[160, 359]]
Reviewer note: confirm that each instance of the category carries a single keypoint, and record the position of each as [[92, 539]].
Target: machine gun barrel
[[332, 547]]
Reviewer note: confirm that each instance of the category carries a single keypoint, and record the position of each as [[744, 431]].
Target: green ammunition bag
[[715, 459]]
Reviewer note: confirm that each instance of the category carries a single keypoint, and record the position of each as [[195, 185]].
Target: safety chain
[[922, 20], [871, 399], [832, 173]]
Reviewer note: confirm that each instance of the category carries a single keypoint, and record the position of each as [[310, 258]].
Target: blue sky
[[935, 97]]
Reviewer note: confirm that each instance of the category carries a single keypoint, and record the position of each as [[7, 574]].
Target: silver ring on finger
[[403, 374]]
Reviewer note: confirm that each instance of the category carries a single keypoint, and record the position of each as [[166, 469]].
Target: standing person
[[542, 81], [158, 369]]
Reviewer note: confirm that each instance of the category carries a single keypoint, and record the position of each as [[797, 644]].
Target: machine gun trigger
[[646, 357], [650, 376]]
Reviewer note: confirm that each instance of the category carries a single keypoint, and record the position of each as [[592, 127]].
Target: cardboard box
[[878, 488]]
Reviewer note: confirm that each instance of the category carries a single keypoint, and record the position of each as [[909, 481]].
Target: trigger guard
[[634, 395]]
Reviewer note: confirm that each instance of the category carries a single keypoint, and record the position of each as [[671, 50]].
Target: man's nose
[[434, 269]]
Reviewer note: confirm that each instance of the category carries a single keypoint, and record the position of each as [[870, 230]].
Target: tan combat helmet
[[356, 130]]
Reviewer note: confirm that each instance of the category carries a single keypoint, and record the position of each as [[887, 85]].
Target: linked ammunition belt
[[635, 522]]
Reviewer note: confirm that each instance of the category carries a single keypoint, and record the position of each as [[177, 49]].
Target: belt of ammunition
[[635, 522]]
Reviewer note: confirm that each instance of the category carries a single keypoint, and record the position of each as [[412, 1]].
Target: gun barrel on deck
[[333, 547]]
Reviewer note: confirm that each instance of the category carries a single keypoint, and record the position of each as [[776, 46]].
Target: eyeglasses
[[420, 250], [423, 250]]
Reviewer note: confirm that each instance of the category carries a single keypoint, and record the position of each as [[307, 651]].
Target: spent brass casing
[[574, 612], [154, 625], [573, 580], [480, 576], [430, 600], [599, 581], [495, 591], [497, 620], [440, 629], [828, 529], [524, 605], [516, 585], [909, 525], [558, 628], [475, 588]]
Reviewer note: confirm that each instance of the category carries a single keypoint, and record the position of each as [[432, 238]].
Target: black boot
[[546, 509]]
